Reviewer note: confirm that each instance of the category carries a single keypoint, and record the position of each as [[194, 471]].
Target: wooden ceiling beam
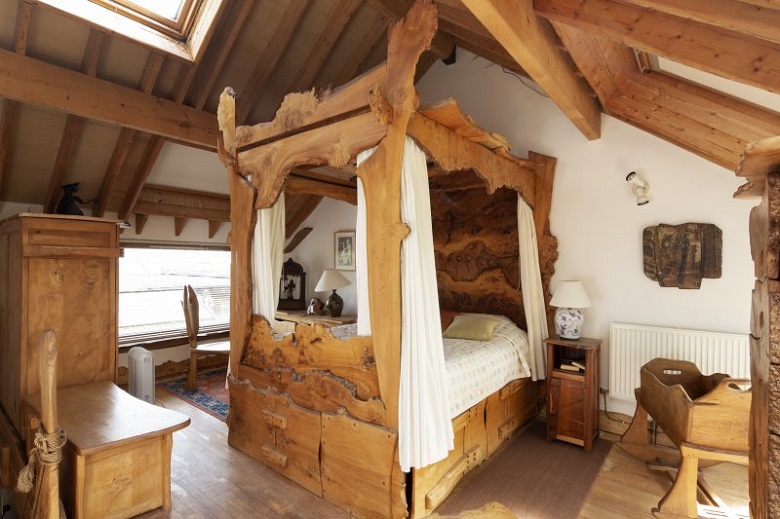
[[73, 125], [150, 155], [238, 12], [727, 54], [269, 58], [22, 30], [156, 200], [70, 134], [155, 144], [361, 51], [294, 219], [751, 20], [32, 81], [301, 186], [714, 126], [485, 46], [340, 15], [531, 41], [125, 140], [110, 177], [604, 63]]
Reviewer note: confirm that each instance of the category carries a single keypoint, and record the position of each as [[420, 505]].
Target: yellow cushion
[[471, 327]]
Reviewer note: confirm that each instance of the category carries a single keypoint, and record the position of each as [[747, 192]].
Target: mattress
[[476, 369]]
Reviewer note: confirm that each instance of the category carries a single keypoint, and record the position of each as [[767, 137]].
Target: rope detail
[[47, 451]]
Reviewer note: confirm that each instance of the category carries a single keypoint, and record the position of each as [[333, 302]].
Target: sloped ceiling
[[81, 104]]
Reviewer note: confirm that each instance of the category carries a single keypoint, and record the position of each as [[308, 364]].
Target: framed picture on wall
[[344, 250]]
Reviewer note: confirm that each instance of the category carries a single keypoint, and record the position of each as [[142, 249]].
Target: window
[[171, 17], [178, 27], [151, 282]]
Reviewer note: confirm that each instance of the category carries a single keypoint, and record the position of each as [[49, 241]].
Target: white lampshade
[[331, 280], [570, 294]]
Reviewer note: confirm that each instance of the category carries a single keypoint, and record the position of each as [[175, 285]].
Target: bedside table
[[326, 320], [573, 390]]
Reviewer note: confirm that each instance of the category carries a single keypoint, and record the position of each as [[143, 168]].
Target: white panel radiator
[[633, 345], [141, 373]]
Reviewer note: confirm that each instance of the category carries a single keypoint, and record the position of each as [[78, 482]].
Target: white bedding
[[475, 369]]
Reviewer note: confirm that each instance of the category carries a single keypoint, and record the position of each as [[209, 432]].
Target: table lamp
[[569, 297], [331, 280]]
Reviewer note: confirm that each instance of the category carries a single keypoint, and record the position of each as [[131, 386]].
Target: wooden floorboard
[[626, 488], [210, 480]]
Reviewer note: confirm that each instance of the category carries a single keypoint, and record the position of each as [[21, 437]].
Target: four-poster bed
[[324, 411]]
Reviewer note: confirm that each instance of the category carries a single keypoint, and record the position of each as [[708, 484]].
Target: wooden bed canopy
[[324, 411]]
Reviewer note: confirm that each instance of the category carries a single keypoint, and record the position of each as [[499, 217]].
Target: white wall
[[594, 215], [316, 252]]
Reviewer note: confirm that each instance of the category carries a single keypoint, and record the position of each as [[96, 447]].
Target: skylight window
[[166, 8], [175, 27]]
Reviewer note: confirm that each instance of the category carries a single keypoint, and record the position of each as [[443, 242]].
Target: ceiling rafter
[[21, 32], [362, 50], [751, 20], [711, 125], [480, 45], [604, 63], [715, 50], [125, 139], [39, 83], [156, 142], [531, 41], [340, 14], [238, 14], [73, 125], [269, 58]]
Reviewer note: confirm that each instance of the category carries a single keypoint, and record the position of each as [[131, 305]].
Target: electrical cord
[[606, 412]]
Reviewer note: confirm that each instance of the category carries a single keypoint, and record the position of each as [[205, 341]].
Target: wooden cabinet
[[573, 390], [56, 272]]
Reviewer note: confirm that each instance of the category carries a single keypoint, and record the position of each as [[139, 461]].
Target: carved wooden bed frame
[[324, 411]]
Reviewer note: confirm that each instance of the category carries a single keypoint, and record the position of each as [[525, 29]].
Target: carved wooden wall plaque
[[681, 255]]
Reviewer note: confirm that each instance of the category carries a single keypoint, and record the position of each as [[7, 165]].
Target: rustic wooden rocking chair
[[198, 348]]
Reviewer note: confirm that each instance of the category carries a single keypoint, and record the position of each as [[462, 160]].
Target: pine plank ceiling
[[82, 103]]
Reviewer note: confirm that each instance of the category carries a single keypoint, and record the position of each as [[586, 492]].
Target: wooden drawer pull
[[274, 457], [275, 419]]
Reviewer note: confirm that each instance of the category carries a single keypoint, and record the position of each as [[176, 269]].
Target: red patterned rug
[[211, 395]]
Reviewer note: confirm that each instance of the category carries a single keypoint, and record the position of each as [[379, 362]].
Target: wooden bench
[[117, 462]]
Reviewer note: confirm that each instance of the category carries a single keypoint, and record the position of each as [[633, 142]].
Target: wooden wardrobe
[[56, 272]]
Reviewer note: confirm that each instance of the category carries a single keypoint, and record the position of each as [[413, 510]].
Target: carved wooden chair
[[198, 348]]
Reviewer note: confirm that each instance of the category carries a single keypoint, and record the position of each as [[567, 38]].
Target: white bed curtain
[[531, 283], [361, 254], [267, 256], [424, 426]]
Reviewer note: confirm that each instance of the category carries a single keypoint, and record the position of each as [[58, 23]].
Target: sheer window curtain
[[531, 283], [267, 256], [361, 254], [424, 426]]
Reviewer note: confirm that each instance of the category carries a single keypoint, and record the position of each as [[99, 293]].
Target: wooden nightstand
[[325, 320], [573, 394]]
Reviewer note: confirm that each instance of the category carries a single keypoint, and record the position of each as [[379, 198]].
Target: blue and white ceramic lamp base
[[568, 322]]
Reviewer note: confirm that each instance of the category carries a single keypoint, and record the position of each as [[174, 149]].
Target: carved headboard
[[475, 243]]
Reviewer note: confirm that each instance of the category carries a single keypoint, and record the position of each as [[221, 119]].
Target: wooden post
[[49, 503]]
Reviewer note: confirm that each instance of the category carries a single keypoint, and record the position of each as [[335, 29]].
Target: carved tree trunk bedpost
[[547, 243], [243, 218], [382, 179]]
